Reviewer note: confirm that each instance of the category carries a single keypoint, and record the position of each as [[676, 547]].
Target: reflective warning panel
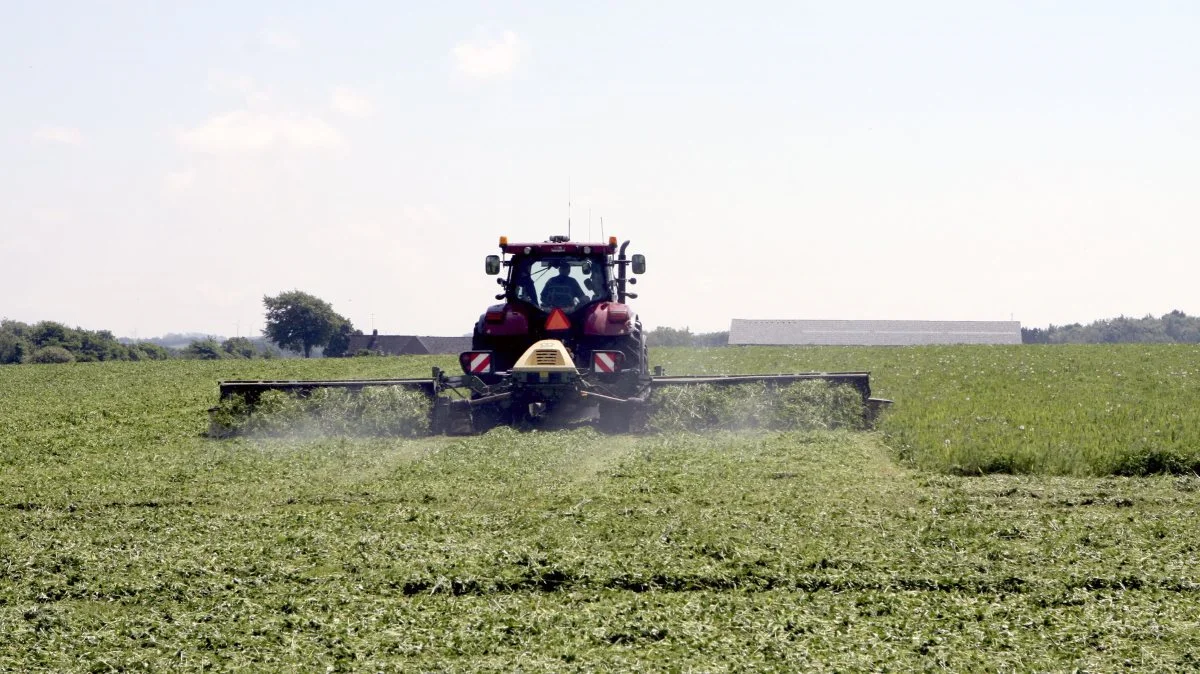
[[482, 362], [476, 362], [606, 361], [557, 320]]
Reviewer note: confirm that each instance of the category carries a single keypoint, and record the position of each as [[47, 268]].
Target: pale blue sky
[[165, 165]]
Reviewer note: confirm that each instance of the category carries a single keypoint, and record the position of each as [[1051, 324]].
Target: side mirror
[[639, 263], [492, 265], [586, 268]]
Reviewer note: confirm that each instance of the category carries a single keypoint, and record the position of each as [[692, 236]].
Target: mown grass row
[[382, 411], [574, 550]]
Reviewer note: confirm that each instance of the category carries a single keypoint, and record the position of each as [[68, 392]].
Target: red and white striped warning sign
[[481, 363], [604, 361]]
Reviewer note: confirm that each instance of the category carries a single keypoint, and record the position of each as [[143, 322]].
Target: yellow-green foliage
[[1127, 409]]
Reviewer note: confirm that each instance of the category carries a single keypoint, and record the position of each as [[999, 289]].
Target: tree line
[[53, 342], [664, 336], [299, 323], [1174, 327]]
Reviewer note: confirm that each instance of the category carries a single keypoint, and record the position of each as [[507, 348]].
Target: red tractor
[[564, 308], [562, 347]]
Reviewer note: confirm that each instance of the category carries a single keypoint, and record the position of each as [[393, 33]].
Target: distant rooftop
[[872, 333], [407, 345]]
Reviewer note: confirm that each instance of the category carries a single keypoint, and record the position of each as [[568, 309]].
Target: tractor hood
[[606, 319], [547, 355]]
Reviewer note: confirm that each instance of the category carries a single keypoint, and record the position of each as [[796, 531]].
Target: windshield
[[563, 282]]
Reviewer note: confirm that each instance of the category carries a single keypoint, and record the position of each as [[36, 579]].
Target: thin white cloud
[[486, 58], [424, 216], [179, 181], [58, 134], [222, 82], [279, 40], [50, 216], [244, 86], [352, 104], [250, 131], [389, 238]]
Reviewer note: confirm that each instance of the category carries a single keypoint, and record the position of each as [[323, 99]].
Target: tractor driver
[[562, 290]]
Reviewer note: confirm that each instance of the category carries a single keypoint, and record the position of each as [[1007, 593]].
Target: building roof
[[407, 345], [873, 333], [454, 345]]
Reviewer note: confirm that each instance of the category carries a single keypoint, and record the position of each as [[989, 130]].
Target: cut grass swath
[[396, 411], [372, 412], [805, 405]]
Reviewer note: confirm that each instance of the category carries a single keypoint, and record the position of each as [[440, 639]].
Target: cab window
[[561, 282]]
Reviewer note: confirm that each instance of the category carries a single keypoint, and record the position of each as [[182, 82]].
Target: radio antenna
[[602, 229]]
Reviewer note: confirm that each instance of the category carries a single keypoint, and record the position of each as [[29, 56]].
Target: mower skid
[[635, 400], [486, 400]]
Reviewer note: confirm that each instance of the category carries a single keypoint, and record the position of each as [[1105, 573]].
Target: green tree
[[664, 336], [204, 349], [1175, 326], [51, 354], [711, 339], [239, 347], [13, 348], [339, 343], [50, 333], [148, 351], [299, 321], [99, 345]]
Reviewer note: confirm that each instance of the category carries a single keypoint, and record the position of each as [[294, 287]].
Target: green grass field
[[1126, 409], [129, 540]]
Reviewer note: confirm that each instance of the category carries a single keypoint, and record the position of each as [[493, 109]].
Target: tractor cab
[[559, 281], [574, 292], [561, 274]]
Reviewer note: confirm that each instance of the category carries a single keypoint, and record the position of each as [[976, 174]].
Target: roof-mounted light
[[612, 240], [528, 249], [504, 241]]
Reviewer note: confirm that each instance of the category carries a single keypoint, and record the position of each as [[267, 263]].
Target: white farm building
[[872, 333]]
